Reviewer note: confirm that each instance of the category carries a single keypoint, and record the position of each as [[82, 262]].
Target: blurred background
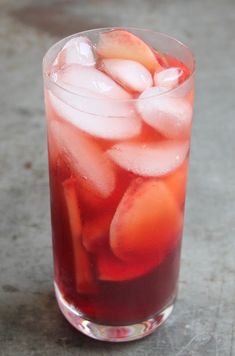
[[203, 322]]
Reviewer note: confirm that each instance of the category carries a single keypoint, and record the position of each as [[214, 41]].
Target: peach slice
[[90, 200], [147, 222], [53, 149], [177, 182], [174, 62], [111, 268], [95, 232], [162, 59], [123, 44], [82, 263]]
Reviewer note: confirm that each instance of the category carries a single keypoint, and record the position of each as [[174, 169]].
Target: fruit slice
[[85, 157], [90, 200], [150, 159], [169, 115], [130, 74], [78, 76], [82, 264], [95, 232], [162, 59], [78, 50], [177, 181], [147, 222], [111, 268], [125, 45], [168, 78], [111, 119], [53, 149], [174, 62]]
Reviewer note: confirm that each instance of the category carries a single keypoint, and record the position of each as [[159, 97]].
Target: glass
[[118, 174]]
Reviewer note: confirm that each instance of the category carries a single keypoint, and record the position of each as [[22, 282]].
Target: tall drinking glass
[[119, 106]]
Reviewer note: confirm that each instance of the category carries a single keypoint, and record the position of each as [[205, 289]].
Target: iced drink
[[119, 106]]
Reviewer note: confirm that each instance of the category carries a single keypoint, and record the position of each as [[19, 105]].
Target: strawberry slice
[[147, 222], [95, 232], [82, 263], [123, 44], [111, 268], [177, 182]]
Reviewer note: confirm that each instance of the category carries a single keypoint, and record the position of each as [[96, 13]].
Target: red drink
[[119, 120]]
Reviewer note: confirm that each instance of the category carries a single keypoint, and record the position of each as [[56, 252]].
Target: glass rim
[[106, 98]]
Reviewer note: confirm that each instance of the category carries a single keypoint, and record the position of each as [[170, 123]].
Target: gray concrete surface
[[203, 323]]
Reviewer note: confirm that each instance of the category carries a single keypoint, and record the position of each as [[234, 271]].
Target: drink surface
[[119, 121]]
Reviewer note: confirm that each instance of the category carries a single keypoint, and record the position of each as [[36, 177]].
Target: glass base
[[111, 333]]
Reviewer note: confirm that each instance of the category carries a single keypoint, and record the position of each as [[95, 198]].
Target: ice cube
[[107, 119], [78, 76], [171, 116], [128, 73], [168, 78], [184, 90], [152, 159], [78, 50], [85, 157]]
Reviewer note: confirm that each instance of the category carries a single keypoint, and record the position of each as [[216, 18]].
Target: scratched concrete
[[203, 322]]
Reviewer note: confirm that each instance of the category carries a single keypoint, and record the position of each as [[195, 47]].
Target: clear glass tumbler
[[119, 106]]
